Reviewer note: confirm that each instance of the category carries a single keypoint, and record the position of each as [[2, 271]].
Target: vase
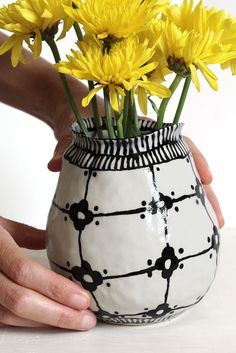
[[131, 223]]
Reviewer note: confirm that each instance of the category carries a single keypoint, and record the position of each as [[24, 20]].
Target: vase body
[[131, 223]]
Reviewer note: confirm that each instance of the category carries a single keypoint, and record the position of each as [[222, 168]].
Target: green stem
[[78, 31], [73, 105], [126, 112], [119, 122], [97, 119], [135, 119], [182, 99], [119, 125], [132, 124], [108, 112], [165, 101], [154, 107], [130, 121]]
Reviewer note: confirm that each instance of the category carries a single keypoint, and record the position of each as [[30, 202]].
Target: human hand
[[206, 179], [64, 141], [201, 164], [32, 295]]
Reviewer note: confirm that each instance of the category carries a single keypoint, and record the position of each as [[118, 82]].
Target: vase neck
[[153, 147]]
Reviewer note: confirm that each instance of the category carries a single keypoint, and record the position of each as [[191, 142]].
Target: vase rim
[[147, 125], [154, 147]]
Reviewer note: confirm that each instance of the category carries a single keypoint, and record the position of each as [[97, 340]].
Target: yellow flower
[[115, 19], [199, 19], [229, 38], [152, 33], [193, 38], [29, 20], [230, 64], [123, 68]]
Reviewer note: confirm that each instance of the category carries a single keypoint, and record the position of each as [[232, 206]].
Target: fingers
[[55, 163], [29, 274], [206, 178], [26, 304], [200, 162], [215, 204], [24, 235], [30, 292], [7, 318]]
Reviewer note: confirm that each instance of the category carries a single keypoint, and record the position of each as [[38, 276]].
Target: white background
[[26, 145]]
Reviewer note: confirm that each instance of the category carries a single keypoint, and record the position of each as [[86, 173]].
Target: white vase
[[130, 221]]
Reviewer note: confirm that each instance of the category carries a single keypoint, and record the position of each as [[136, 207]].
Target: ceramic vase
[[131, 223]]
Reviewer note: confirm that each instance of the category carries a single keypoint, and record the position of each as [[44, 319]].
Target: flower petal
[[194, 75], [87, 99], [8, 44], [29, 16], [37, 46], [47, 14], [16, 53], [102, 35], [120, 91], [155, 89], [142, 99], [148, 68], [113, 97], [63, 69], [208, 74]]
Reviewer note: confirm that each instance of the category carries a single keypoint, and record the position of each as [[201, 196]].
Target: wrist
[[63, 116]]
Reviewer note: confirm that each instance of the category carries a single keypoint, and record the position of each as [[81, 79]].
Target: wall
[[26, 145]]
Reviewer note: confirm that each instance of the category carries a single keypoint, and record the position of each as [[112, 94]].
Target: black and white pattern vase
[[130, 222]]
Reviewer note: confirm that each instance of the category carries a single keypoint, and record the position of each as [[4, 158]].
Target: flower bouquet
[[130, 220]]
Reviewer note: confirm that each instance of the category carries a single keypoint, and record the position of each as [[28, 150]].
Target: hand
[[64, 141], [31, 295], [206, 179], [201, 164]]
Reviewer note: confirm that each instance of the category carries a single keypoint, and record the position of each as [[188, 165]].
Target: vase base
[[137, 321]]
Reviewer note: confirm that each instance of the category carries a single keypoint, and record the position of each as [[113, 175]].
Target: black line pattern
[[133, 153], [102, 156]]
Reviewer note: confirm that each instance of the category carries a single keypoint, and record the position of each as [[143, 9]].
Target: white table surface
[[210, 327]]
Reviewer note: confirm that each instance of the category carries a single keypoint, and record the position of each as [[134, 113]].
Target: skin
[[31, 295]]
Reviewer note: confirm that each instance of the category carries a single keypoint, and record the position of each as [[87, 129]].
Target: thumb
[[200, 162], [24, 235], [55, 163]]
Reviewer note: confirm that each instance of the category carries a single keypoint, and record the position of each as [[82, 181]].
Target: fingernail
[[80, 301], [88, 321]]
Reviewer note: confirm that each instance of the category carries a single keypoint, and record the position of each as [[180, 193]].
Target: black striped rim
[[153, 147]]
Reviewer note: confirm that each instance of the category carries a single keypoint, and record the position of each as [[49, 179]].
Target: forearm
[[36, 89]]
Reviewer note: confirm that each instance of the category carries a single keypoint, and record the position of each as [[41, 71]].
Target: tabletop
[[209, 327]]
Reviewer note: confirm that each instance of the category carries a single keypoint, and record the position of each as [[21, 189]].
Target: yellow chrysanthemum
[[191, 39], [152, 33], [230, 64], [115, 19], [198, 19], [229, 38], [123, 68], [28, 20]]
